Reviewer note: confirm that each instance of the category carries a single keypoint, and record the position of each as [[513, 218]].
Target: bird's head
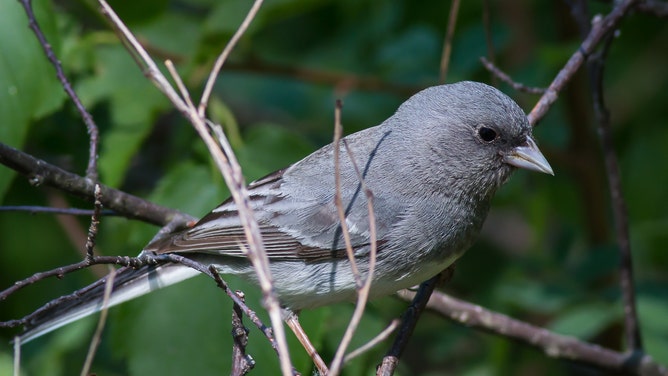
[[467, 134]]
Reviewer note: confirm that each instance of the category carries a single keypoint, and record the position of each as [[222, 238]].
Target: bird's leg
[[292, 320]]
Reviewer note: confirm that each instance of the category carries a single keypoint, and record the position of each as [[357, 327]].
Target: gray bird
[[432, 167]]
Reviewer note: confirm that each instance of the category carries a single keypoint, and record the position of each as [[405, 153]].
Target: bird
[[432, 168]]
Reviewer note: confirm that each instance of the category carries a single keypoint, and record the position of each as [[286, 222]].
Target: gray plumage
[[433, 168]]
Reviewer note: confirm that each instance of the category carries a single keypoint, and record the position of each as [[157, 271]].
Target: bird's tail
[[128, 283]]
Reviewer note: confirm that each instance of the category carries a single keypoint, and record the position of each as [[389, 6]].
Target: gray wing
[[296, 211]]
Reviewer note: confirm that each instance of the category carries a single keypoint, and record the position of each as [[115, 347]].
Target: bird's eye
[[487, 134]]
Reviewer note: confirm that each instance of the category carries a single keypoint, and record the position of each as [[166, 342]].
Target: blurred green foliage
[[547, 255]]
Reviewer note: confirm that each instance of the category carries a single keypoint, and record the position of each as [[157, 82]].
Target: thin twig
[[231, 172], [489, 41], [338, 202], [94, 222], [447, 44], [50, 210], [17, 356], [91, 169], [213, 273], [223, 56], [382, 336], [654, 7], [242, 363], [362, 291], [409, 321], [61, 271], [598, 32], [498, 73], [95, 341], [596, 67], [554, 345]]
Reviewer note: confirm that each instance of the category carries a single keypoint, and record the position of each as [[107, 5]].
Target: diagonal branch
[[91, 170], [591, 42], [554, 345], [225, 160], [409, 321]]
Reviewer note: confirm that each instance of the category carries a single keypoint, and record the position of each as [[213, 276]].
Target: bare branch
[[91, 170], [382, 336], [409, 321], [447, 43], [487, 24], [231, 171], [498, 73], [17, 356], [654, 7], [365, 288], [94, 222], [552, 344], [597, 33], [50, 210], [40, 173], [212, 272], [242, 363], [340, 210], [223, 56], [59, 272], [95, 341], [596, 67]]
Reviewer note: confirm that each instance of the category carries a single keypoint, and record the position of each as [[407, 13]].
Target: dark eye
[[487, 134]]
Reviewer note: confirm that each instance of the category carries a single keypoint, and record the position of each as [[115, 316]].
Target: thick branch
[[554, 345], [40, 172]]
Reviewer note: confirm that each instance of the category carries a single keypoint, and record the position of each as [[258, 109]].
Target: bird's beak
[[528, 156]]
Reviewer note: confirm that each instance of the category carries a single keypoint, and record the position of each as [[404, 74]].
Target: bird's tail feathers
[[129, 283]]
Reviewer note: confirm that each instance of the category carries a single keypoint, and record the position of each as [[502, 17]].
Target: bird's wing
[[290, 229]]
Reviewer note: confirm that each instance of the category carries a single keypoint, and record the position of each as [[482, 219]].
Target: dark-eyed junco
[[432, 167]]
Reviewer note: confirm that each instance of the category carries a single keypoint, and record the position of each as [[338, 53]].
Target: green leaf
[[269, 147], [133, 101], [653, 311], [586, 320], [28, 86]]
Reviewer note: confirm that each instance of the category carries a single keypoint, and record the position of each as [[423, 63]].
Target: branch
[[363, 288], [218, 65], [50, 210], [409, 321], [447, 44], [596, 66], [597, 33], [554, 345], [241, 362], [498, 73], [40, 173], [653, 7], [91, 170], [225, 160]]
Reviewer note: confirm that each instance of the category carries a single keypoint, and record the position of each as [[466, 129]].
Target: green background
[[547, 254]]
